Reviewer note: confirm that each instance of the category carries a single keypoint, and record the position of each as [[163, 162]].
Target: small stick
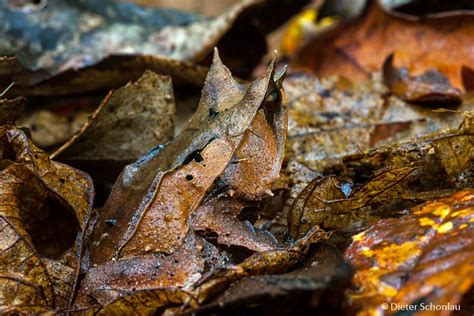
[[7, 88]]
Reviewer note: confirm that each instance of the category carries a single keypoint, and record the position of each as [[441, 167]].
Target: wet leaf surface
[[234, 189], [273, 261], [391, 177], [429, 261]]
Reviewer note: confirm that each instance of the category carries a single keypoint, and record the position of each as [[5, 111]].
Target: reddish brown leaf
[[356, 48]]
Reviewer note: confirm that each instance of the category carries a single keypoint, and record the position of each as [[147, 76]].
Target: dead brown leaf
[[45, 209], [356, 48], [333, 204], [140, 112], [11, 109], [146, 302], [321, 278]]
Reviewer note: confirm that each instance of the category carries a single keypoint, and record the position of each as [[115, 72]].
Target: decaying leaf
[[429, 261], [111, 73], [445, 157], [332, 204], [45, 207], [147, 302], [141, 113], [164, 32], [358, 47], [50, 129], [333, 121], [116, 42], [321, 279], [427, 168], [431, 87], [332, 118]]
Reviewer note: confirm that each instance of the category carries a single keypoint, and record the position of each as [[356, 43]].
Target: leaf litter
[[269, 191]]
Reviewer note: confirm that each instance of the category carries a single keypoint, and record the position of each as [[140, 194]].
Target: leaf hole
[[51, 223]]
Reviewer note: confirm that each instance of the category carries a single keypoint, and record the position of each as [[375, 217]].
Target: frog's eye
[[272, 96], [272, 101]]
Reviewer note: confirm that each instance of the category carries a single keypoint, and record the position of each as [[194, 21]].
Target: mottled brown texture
[[219, 215], [11, 109], [326, 203], [45, 207], [321, 278], [106, 283], [135, 193], [126, 125], [146, 302]]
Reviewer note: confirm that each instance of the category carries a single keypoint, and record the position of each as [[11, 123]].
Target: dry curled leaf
[[358, 47], [334, 204], [45, 209], [431, 87], [429, 261], [140, 112]]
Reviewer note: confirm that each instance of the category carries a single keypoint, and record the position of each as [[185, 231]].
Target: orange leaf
[[422, 258]]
